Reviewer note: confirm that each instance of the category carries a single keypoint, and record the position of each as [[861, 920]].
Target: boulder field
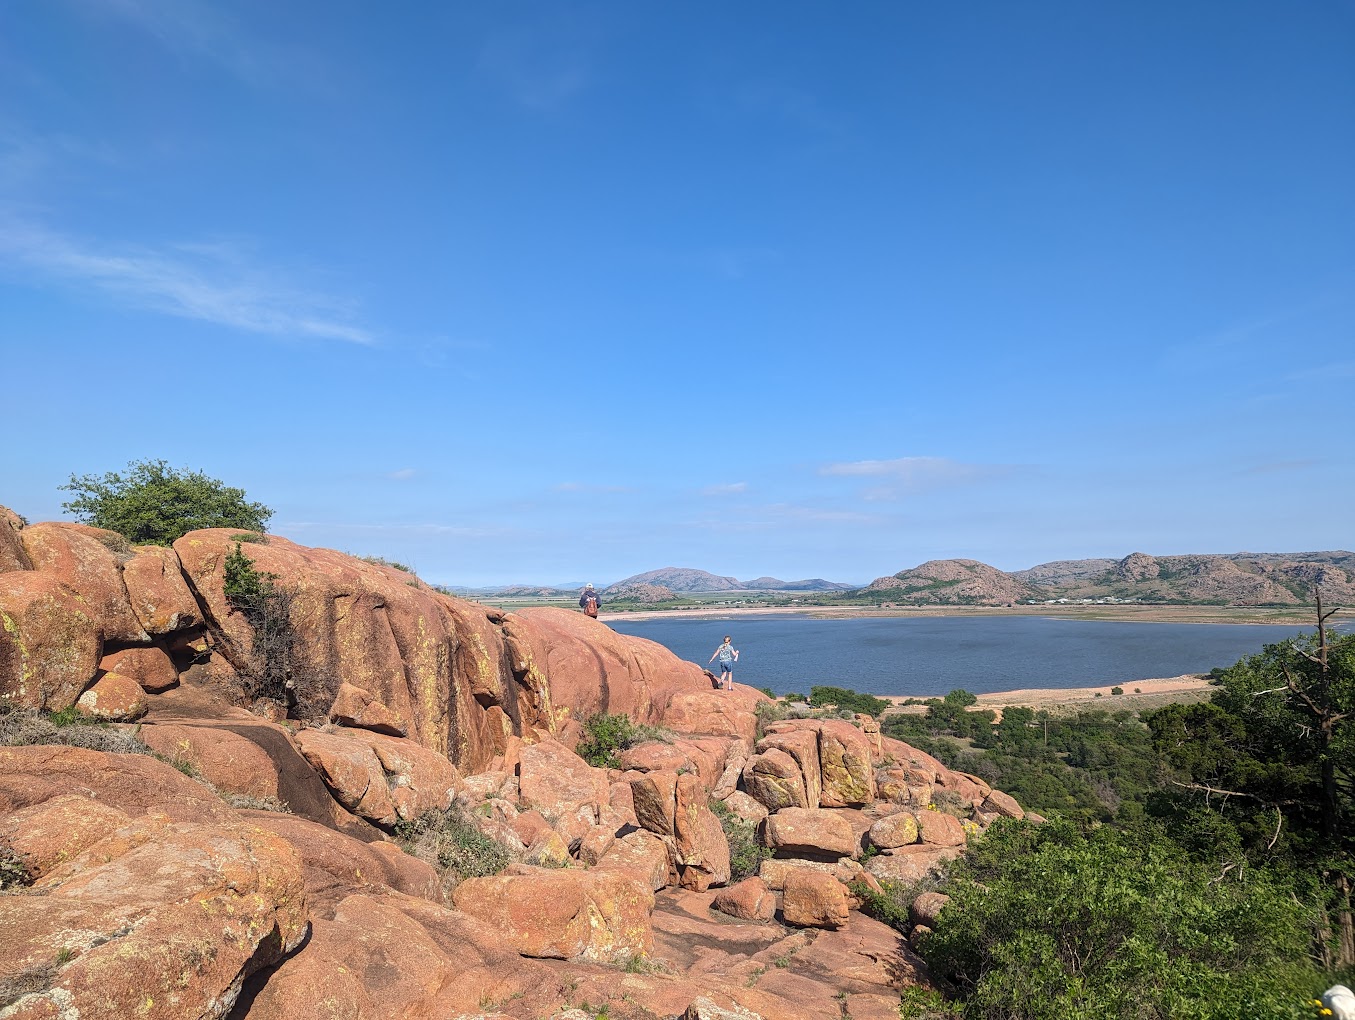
[[227, 848]]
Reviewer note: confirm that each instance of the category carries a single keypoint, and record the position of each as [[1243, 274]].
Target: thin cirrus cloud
[[727, 489], [908, 475], [209, 283], [402, 475]]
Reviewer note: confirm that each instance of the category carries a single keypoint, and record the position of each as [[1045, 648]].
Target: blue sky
[[552, 291]]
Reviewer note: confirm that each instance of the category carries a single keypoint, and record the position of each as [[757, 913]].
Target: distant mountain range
[[686, 580], [1227, 579], [1231, 579]]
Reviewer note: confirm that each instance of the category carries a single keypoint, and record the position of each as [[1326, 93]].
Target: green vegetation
[[847, 700], [155, 504], [746, 854], [268, 609], [607, 733], [449, 840], [1199, 859], [28, 728], [381, 561], [1049, 922]]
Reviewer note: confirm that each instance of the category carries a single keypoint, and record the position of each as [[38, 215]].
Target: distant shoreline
[[1298, 615], [1135, 695]]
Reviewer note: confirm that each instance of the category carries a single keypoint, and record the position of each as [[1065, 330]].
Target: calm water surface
[[926, 656]]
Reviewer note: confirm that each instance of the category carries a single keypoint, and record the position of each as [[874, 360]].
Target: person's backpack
[[590, 606]]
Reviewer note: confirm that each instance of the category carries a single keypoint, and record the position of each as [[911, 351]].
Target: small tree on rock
[[154, 504]]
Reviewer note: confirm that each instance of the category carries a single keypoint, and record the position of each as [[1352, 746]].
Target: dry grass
[[27, 728]]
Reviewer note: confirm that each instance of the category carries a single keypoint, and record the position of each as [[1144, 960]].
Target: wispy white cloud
[[728, 489], [908, 475], [402, 475], [207, 282]]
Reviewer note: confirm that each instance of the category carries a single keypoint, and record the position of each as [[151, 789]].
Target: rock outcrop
[[243, 861]]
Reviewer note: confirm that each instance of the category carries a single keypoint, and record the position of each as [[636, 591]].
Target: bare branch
[[1222, 874], [1273, 690], [1279, 820]]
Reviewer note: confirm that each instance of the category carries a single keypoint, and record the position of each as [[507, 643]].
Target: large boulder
[[380, 955], [49, 641], [136, 784], [158, 594], [654, 797], [700, 847], [640, 855], [113, 698], [158, 919], [846, 761], [719, 713], [598, 916], [999, 803], [89, 562], [12, 555], [911, 864], [749, 900], [810, 832], [357, 708], [894, 830], [229, 761], [811, 899], [774, 779], [421, 654], [556, 781], [940, 829], [351, 771], [150, 667], [803, 746]]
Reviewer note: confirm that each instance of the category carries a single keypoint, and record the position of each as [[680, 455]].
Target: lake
[[929, 656]]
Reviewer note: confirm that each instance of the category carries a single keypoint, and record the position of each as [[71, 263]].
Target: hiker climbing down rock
[[728, 655]]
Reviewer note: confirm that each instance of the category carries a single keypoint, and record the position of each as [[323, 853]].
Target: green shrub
[[155, 504], [847, 700], [1117, 690], [449, 840], [607, 733], [1049, 922], [769, 692], [794, 697], [951, 803], [381, 561], [746, 854]]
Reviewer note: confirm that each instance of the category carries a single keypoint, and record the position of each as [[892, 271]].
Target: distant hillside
[[689, 580], [682, 579], [640, 592], [1234, 579], [810, 584], [952, 582]]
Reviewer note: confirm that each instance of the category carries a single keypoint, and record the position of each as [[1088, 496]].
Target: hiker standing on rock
[[728, 655], [589, 601]]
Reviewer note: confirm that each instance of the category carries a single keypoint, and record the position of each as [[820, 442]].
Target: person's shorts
[[726, 667]]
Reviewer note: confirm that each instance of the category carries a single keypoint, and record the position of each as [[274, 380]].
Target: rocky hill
[[1237, 579], [336, 792], [647, 593], [689, 580], [952, 582], [681, 579]]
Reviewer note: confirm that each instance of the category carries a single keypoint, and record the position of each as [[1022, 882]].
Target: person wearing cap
[[589, 601]]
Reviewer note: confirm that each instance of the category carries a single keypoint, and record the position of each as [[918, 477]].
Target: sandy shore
[[1138, 695], [1298, 615]]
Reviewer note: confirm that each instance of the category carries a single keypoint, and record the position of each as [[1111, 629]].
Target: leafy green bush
[[1117, 690], [1049, 922], [607, 733], [381, 561], [449, 840], [155, 504], [746, 854], [847, 700]]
